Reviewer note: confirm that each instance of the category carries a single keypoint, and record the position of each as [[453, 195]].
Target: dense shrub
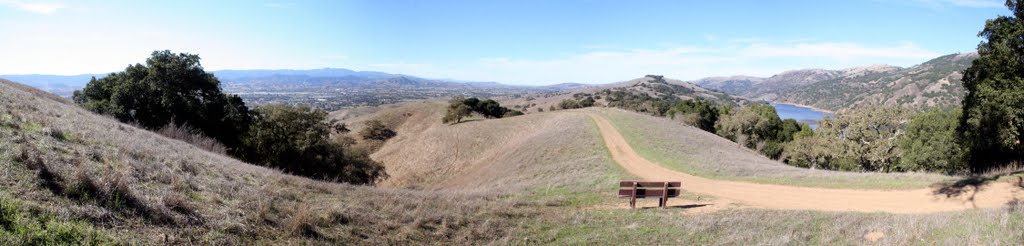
[[297, 140], [862, 140], [460, 107], [750, 126], [697, 113], [569, 104], [376, 130], [587, 102], [931, 143]]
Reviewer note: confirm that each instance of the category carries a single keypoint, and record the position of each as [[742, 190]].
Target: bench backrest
[[649, 184], [649, 188]]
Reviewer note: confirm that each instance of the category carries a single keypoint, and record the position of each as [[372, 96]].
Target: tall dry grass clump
[[192, 136]]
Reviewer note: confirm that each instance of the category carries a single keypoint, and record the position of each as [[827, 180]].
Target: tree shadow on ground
[[970, 186]]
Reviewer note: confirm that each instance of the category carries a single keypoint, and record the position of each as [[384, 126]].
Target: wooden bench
[[649, 189]]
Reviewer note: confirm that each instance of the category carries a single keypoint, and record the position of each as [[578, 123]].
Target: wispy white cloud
[[33, 7], [756, 58]]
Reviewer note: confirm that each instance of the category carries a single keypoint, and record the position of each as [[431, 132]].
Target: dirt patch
[[874, 236]]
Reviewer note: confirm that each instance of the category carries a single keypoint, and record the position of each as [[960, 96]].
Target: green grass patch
[[599, 190], [22, 226]]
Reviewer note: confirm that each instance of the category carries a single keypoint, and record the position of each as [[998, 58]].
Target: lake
[[800, 114]]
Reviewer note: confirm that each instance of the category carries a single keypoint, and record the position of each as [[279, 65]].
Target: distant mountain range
[[284, 78], [653, 86], [935, 83], [62, 85]]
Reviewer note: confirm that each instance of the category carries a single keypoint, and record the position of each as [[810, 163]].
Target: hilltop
[[653, 86], [935, 83]]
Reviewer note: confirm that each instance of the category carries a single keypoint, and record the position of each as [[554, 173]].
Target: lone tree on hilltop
[[457, 109], [460, 107]]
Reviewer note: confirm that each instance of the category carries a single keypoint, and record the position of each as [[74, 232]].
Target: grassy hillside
[[935, 83], [507, 154], [74, 177], [67, 169], [701, 153]]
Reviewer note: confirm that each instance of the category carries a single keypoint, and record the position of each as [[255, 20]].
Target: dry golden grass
[[694, 151], [551, 174], [136, 185], [550, 150]]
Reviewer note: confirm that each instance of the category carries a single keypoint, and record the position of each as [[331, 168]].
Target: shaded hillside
[[935, 83]]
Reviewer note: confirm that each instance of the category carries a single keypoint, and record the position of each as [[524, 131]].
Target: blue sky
[[518, 42]]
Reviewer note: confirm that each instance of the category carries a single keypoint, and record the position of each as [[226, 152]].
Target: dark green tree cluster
[[578, 100], [640, 102], [168, 89], [377, 131], [297, 141], [992, 123], [931, 143], [985, 133], [173, 89], [759, 127], [881, 139], [862, 140], [699, 113], [460, 107], [754, 126]]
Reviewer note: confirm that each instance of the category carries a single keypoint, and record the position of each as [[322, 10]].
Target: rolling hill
[[653, 86], [935, 83], [71, 176]]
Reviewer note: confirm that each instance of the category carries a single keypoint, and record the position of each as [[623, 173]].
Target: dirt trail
[[730, 193]]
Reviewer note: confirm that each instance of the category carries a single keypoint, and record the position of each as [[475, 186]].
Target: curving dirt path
[[770, 196]]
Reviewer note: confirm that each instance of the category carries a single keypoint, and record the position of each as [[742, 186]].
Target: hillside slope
[[63, 164], [927, 200], [509, 154], [935, 83], [68, 174]]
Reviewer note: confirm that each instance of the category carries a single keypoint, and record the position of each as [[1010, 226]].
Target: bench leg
[[664, 202], [632, 202]]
